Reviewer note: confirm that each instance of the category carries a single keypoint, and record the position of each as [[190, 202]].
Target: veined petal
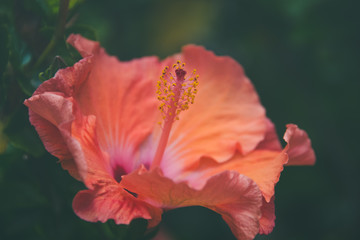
[[113, 202], [83, 144], [262, 166], [47, 112], [51, 107], [271, 140], [117, 96], [234, 196], [226, 116], [121, 95], [69, 136], [300, 151], [84, 46], [267, 220]]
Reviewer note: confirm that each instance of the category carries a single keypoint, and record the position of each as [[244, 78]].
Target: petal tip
[[300, 151], [85, 46]]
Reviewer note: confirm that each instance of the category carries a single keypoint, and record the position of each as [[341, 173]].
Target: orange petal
[[66, 81], [69, 136], [267, 220], [116, 100], [121, 95], [72, 137], [300, 151], [115, 203], [47, 112], [230, 194], [262, 166], [83, 144], [226, 116], [84, 46], [271, 140]]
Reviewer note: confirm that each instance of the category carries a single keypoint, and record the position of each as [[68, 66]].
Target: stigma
[[176, 92]]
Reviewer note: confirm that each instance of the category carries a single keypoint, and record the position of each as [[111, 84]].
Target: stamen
[[175, 93]]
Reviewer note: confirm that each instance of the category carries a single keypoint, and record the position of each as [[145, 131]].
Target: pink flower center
[[175, 94], [118, 172]]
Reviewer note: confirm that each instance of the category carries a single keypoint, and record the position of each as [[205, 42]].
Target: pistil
[[175, 94]]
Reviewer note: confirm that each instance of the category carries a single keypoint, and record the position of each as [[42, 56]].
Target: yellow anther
[[176, 91]]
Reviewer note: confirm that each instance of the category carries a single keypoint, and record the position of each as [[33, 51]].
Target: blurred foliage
[[302, 56]]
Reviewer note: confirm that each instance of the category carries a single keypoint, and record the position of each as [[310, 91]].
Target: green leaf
[[22, 135]]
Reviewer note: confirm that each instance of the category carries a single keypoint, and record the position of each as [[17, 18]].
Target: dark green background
[[302, 56]]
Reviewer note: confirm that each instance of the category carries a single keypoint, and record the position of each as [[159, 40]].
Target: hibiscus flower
[[198, 135]]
